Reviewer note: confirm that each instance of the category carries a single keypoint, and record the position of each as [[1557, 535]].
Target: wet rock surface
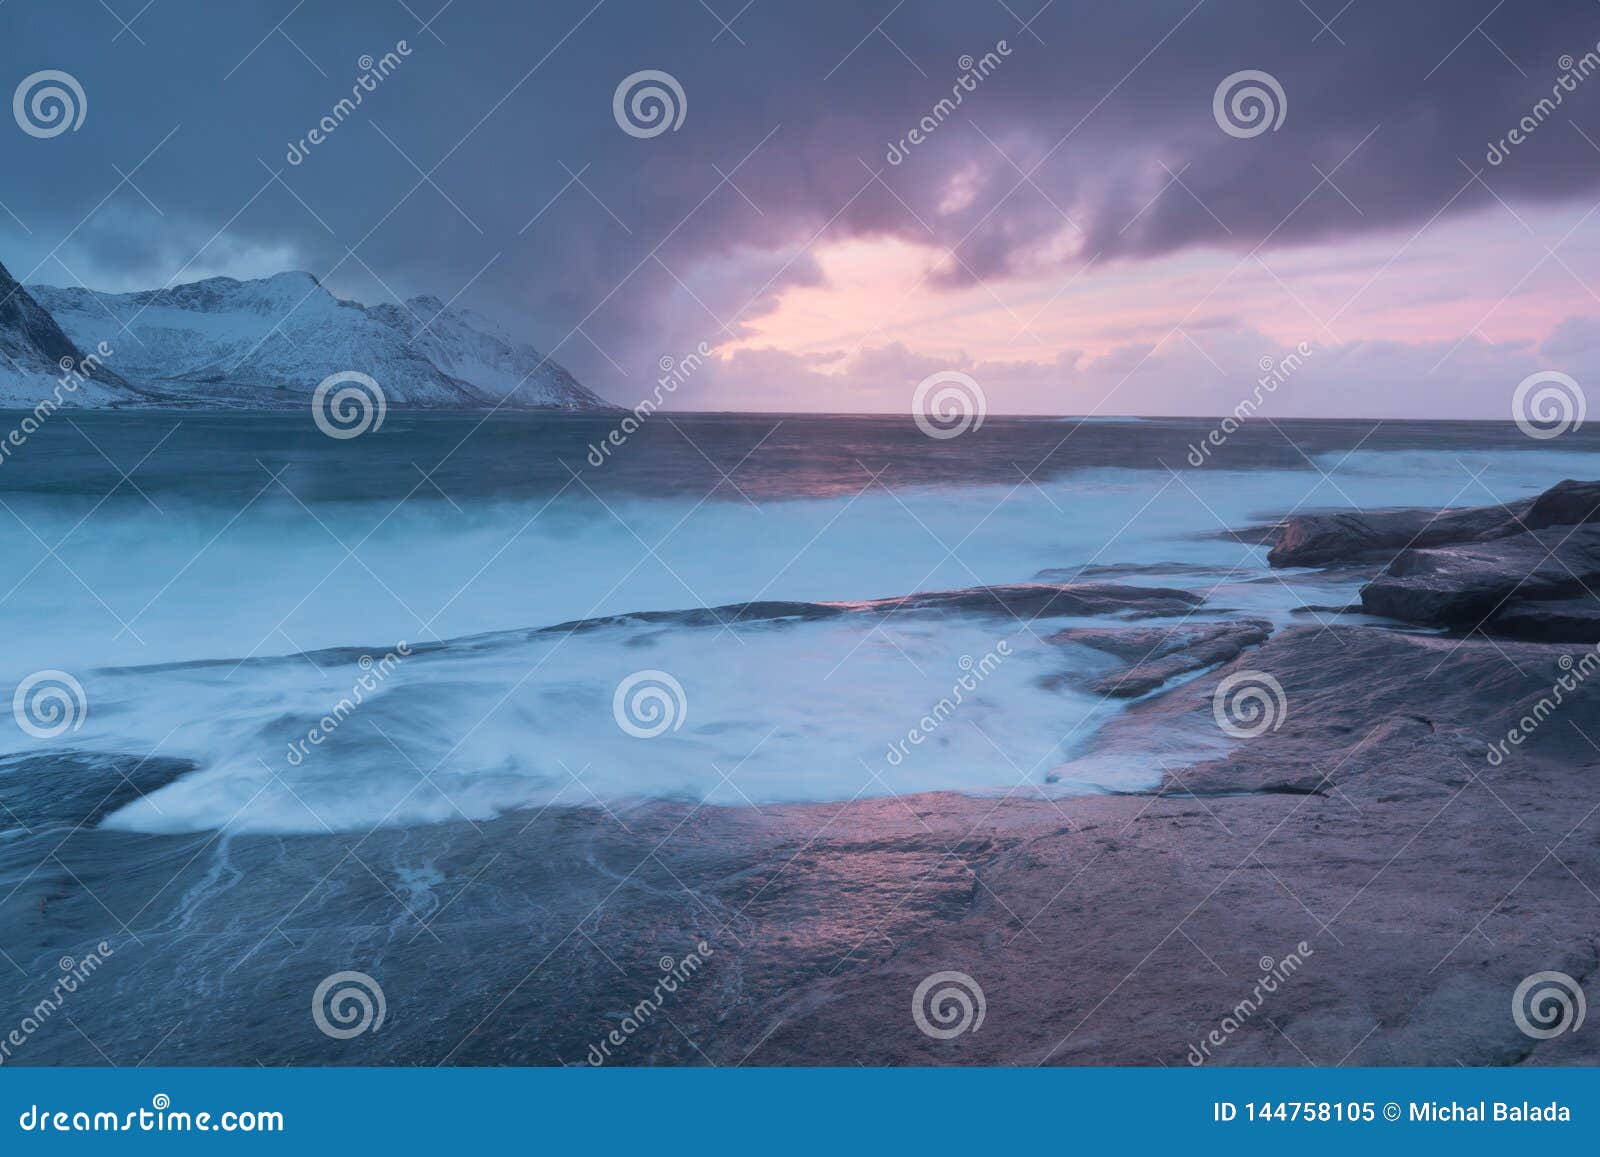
[[1362, 831], [1349, 537], [1526, 570], [1156, 655], [1466, 586], [1366, 835]]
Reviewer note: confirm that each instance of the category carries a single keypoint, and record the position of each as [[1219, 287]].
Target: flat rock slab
[[1157, 655], [1465, 586], [1415, 888], [1575, 620], [1320, 539]]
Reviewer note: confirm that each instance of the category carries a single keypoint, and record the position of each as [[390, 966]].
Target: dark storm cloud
[[537, 202]]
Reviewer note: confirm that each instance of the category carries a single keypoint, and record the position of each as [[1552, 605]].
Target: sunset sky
[[1080, 234]]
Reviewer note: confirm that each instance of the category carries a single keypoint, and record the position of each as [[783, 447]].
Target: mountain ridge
[[222, 342], [37, 359]]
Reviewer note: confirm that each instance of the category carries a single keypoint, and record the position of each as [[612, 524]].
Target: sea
[[453, 617]]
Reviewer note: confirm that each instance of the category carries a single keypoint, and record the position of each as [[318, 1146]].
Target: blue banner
[[797, 1110]]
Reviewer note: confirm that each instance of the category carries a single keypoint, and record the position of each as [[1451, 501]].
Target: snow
[[271, 341]]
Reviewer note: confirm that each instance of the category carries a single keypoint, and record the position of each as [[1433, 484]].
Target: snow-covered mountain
[[36, 357], [270, 342]]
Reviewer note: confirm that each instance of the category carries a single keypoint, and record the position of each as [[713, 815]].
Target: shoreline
[[1412, 881]]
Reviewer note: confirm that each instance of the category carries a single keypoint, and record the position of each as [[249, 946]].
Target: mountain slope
[[35, 356], [269, 342], [474, 349]]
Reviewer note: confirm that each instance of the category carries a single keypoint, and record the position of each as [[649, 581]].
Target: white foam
[[803, 713]]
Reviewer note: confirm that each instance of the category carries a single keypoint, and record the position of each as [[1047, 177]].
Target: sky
[[1081, 234]]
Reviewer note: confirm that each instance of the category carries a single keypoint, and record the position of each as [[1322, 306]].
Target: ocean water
[[219, 584]]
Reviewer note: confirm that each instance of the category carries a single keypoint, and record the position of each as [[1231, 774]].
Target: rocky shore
[[1365, 835], [1520, 571]]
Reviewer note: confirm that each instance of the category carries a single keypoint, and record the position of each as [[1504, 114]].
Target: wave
[[523, 619], [768, 712]]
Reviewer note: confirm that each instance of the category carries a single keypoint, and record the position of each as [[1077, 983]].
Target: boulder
[[1471, 586], [1575, 620], [1321, 539]]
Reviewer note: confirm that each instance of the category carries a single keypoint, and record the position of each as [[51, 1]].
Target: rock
[[1041, 600], [1366, 828], [1566, 503], [1575, 620], [1158, 654], [1064, 574], [1463, 586], [1025, 601], [1523, 570], [1320, 539]]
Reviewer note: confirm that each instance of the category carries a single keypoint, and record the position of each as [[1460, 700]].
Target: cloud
[[1207, 376], [489, 163]]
